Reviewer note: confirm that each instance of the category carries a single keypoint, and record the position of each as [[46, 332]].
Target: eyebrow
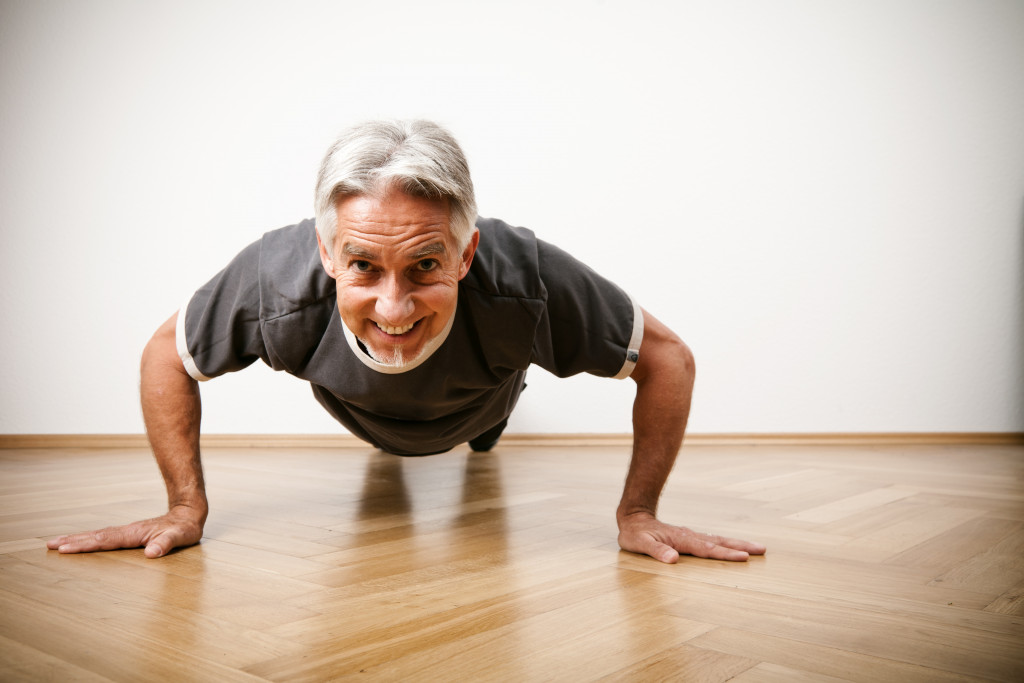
[[437, 248], [353, 250]]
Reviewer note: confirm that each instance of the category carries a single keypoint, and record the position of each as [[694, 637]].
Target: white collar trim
[[428, 350]]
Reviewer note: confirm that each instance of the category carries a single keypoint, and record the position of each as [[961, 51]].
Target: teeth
[[395, 330]]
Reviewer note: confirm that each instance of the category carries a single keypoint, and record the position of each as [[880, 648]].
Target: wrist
[[626, 511], [193, 505]]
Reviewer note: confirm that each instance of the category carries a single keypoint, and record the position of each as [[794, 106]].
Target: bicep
[[162, 347], [661, 351]]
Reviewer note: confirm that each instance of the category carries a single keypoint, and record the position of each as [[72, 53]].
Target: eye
[[427, 265], [361, 266]]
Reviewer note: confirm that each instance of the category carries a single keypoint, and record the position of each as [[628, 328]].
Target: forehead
[[391, 223]]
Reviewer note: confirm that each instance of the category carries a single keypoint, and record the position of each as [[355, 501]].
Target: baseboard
[[554, 440], [860, 439]]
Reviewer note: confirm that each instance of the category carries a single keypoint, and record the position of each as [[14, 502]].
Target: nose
[[394, 303]]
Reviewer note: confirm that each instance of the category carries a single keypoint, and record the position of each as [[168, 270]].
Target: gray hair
[[418, 157]]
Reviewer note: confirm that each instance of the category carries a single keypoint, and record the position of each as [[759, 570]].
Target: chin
[[394, 357]]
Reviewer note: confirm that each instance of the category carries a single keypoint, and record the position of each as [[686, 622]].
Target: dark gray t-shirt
[[523, 302]]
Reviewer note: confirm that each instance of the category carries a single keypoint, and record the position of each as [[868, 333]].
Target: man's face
[[397, 268]]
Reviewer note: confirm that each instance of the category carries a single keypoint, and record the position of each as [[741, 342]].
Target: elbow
[[682, 358], [150, 351], [666, 357], [161, 350], [687, 360]]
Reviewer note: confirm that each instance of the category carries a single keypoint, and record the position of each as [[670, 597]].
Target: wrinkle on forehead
[[394, 224], [394, 210], [373, 246]]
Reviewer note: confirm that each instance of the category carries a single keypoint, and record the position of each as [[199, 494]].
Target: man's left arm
[[664, 376]]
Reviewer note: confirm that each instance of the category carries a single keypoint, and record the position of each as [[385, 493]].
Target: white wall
[[824, 198]]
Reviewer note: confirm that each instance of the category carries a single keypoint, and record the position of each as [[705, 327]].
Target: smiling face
[[397, 268]]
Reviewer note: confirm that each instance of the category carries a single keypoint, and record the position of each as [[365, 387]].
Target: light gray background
[[824, 198]]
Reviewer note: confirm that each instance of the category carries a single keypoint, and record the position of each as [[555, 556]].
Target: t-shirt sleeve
[[219, 327], [589, 324]]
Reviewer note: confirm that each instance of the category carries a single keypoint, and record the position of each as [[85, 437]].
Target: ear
[[468, 253], [326, 258]]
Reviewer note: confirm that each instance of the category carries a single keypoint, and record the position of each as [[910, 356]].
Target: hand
[[181, 526], [642, 533]]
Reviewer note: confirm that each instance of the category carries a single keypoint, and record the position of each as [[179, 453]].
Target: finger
[[103, 539], [705, 545], [645, 544], [71, 543], [55, 543], [719, 552], [737, 544], [661, 552]]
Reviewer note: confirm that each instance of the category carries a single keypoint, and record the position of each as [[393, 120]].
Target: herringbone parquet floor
[[885, 563]]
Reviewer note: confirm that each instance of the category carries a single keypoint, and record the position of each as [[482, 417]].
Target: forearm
[[664, 378], [172, 409], [660, 412], [659, 421]]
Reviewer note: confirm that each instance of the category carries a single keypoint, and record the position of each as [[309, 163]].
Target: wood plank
[[997, 569], [911, 640], [183, 621], [362, 649], [101, 648], [118, 569], [905, 532], [839, 509], [1010, 602], [594, 634], [22, 544], [855, 584], [686, 663], [944, 551], [817, 662], [23, 663], [773, 673]]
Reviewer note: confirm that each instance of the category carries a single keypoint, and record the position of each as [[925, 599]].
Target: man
[[415, 328]]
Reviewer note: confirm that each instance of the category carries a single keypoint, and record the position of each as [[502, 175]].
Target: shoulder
[[290, 273], [507, 262], [288, 248]]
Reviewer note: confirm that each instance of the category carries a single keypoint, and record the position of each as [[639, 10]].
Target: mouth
[[395, 331]]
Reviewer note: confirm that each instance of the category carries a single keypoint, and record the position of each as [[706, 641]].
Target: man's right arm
[[171, 409]]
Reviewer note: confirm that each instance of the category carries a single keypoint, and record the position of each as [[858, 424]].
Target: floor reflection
[[384, 490], [456, 499], [177, 601]]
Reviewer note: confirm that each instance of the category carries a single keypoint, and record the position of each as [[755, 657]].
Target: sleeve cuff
[[633, 349], [182, 346]]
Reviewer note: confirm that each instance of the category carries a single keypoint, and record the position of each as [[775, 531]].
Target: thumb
[[161, 544], [664, 553], [154, 550]]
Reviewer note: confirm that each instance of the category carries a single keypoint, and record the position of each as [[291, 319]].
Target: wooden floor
[[885, 563]]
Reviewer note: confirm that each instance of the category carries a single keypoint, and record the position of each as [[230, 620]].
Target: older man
[[415, 328]]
